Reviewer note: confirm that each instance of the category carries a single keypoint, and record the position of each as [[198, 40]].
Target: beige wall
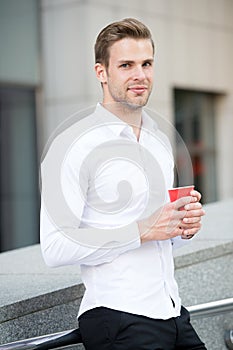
[[194, 41]]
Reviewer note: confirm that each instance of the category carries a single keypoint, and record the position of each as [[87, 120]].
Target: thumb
[[181, 202]]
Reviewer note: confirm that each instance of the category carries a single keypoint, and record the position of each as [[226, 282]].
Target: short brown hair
[[127, 28]]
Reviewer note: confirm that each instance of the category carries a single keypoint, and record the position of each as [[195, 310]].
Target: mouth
[[138, 89]]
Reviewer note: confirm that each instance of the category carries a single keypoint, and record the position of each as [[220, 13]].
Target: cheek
[[118, 82], [150, 76]]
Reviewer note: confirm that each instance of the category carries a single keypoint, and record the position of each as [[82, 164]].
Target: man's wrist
[[144, 231]]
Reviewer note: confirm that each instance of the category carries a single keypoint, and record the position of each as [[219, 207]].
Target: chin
[[138, 104], [133, 105]]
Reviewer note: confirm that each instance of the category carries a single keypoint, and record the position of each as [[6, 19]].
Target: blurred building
[[46, 75]]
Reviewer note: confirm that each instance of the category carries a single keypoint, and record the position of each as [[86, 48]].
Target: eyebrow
[[131, 61]]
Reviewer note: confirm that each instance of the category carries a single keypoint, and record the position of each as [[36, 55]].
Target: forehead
[[131, 49]]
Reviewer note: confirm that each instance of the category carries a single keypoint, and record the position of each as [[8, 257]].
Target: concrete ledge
[[29, 285], [215, 238], [37, 300]]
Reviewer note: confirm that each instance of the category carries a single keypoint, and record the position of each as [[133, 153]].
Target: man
[[121, 236]]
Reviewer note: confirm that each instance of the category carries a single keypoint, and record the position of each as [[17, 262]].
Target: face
[[129, 76]]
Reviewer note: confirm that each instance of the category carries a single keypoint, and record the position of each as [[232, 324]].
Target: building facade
[[47, 75]]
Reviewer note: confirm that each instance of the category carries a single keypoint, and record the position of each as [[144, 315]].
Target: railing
[[45, 342], [73, 336], [212, 308]]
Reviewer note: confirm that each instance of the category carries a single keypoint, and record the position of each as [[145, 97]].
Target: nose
[[139, 73]]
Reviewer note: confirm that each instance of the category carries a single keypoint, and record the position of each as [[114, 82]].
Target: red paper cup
[[179, 192]]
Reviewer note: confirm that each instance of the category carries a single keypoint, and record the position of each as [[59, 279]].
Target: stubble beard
[[128, 103]]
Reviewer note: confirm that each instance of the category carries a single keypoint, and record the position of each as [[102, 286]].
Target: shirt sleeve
[[63, 239], [178, 242], [59, 248]]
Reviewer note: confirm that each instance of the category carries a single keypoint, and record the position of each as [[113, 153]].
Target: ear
[[101, 73]]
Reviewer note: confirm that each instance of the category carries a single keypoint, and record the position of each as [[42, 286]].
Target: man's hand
[[169, 221], [192, 221]]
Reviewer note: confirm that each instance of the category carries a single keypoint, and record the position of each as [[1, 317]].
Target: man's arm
[[61, 248]]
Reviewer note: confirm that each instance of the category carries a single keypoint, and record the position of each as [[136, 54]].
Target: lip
[[138, 89]]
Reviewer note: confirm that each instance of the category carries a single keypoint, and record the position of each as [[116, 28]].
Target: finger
[[187, 236], [196, 194], [193, 206], [188, 223], [194, 213], [192, 220], [187, 227], [191, 231]]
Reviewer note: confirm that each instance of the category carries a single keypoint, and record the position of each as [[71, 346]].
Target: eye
[[124, 65], [147, 64]]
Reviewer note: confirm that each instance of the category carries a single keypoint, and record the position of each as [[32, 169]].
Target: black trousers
[[106, 329]]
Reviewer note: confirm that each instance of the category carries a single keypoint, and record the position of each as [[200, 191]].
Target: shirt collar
[[148, 123], [110, 120], [117, 126]]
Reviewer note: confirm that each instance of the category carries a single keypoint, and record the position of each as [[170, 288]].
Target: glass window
[[195, 122], [18, 163], [19, 41]]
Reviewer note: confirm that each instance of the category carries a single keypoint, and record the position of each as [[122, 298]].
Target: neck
[[129, 114]]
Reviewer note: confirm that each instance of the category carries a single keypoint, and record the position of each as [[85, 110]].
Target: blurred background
[[46, 75]]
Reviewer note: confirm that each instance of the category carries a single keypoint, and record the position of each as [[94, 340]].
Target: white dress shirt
[[97, 182]]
